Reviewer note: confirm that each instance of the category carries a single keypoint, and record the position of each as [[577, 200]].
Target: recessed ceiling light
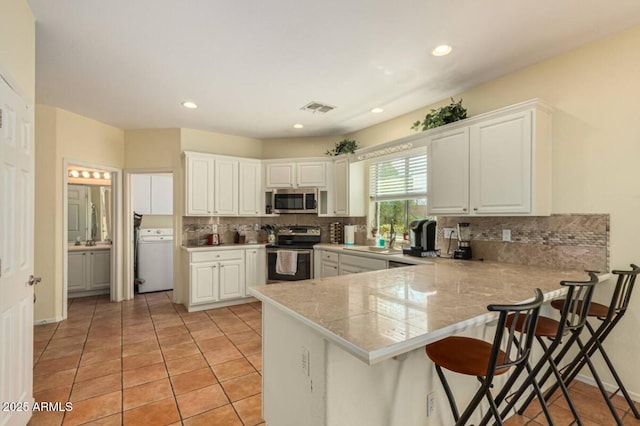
[[377, 110], [298, 126], [443, 49], [190, 105]]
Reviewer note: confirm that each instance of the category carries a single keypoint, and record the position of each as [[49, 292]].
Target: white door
[[162, 194], [199, 171], [77, 212], [250, 189], [341, 187], [232, 283], [16, 253], [312, 174], [141, 194]]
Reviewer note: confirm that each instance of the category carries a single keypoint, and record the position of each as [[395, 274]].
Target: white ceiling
[[251, 65]]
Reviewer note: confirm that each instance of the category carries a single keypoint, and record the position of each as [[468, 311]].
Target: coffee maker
[[422, 235]]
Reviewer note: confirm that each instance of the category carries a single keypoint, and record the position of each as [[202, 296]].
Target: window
[[398, 191]]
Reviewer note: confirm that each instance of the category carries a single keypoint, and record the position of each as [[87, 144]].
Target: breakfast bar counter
[[331, 343]]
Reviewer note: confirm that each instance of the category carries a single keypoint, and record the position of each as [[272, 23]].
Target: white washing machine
[[155, 259]]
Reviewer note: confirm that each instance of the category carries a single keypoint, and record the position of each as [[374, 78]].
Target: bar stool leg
[[447, 391]]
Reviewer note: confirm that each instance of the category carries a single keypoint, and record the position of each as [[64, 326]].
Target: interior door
[[16, 253]]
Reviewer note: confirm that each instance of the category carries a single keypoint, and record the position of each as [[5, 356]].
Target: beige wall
[[218, 143], [596, 147], [18, 47], [152, 149], [298, 147], [63, 135]]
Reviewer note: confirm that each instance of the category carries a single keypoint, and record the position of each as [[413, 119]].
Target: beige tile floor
[[148, 361]]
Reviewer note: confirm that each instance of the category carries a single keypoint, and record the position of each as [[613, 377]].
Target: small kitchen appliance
[[422, 235], [464, 242]]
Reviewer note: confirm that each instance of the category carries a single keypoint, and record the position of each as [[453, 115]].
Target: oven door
[[304, 270]]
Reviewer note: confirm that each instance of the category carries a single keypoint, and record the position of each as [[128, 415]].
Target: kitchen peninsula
[[348, 350]]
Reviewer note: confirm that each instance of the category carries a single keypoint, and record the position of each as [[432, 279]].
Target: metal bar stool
[[475, 357], [573, 318], [610, 316]]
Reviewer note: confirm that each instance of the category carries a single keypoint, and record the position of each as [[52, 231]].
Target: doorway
[[91, 232], [149, 231]]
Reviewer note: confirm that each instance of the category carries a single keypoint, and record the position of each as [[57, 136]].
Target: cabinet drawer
[[330, 256], [365, 263], [215, 255]]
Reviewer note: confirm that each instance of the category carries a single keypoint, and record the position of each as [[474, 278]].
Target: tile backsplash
[[566, 241], [196, 229]]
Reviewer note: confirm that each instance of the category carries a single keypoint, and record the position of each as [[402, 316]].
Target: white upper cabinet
[[448, 168], [222, 186], [225, 194], [495, 164], [303, 174], [250, 188], [199, 185], [280, 175], [348, 188], [152, 194], [312, 174]]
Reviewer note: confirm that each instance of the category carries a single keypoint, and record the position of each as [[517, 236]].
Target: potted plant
[[345, 146], [441, 116]]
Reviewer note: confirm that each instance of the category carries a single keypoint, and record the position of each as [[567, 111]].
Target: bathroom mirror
[[89, 212]]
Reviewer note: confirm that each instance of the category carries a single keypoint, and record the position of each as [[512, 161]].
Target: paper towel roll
[[349, 235]]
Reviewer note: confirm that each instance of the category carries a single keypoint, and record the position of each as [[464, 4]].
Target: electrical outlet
[[506, 235], [214, 229], [451, 233], [431, 404], [305, 360]]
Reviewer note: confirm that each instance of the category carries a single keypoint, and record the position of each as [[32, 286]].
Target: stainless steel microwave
[[299, 200]]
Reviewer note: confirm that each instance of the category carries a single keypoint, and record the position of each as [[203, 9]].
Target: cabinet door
[[448, 173], [329, 269], [141, 193], [100, 269], [204, 282], [232, 284], [226, 187], [280, 175], [199, 185], [256, 266], [162, 195], [312, 174], [77, 271], [500, 167], [341, 187], [250, 189], [349, 269]]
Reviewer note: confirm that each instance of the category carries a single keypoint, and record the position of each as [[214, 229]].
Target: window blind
[[398, 178]]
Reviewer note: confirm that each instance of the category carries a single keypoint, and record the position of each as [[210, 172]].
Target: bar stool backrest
[[622, 292], [518, 344], [575, 310]]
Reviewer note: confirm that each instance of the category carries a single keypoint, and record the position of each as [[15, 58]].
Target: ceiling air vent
[[317, 107]]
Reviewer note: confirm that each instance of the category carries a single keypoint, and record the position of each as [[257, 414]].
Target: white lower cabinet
[[216, 275], [332, 264], [219, 276], [89, 270], [256, 265]]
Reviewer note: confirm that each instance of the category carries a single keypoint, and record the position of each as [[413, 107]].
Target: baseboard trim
[[608, 386], [46, 321]]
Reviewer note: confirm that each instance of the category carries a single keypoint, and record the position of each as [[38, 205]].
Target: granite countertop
[[98, 246], [222, 247], [380, 314]]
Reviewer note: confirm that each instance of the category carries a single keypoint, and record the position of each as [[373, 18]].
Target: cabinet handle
[[215, 266], [464, 209], [475, 209], [84, 254], [217, 255]]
